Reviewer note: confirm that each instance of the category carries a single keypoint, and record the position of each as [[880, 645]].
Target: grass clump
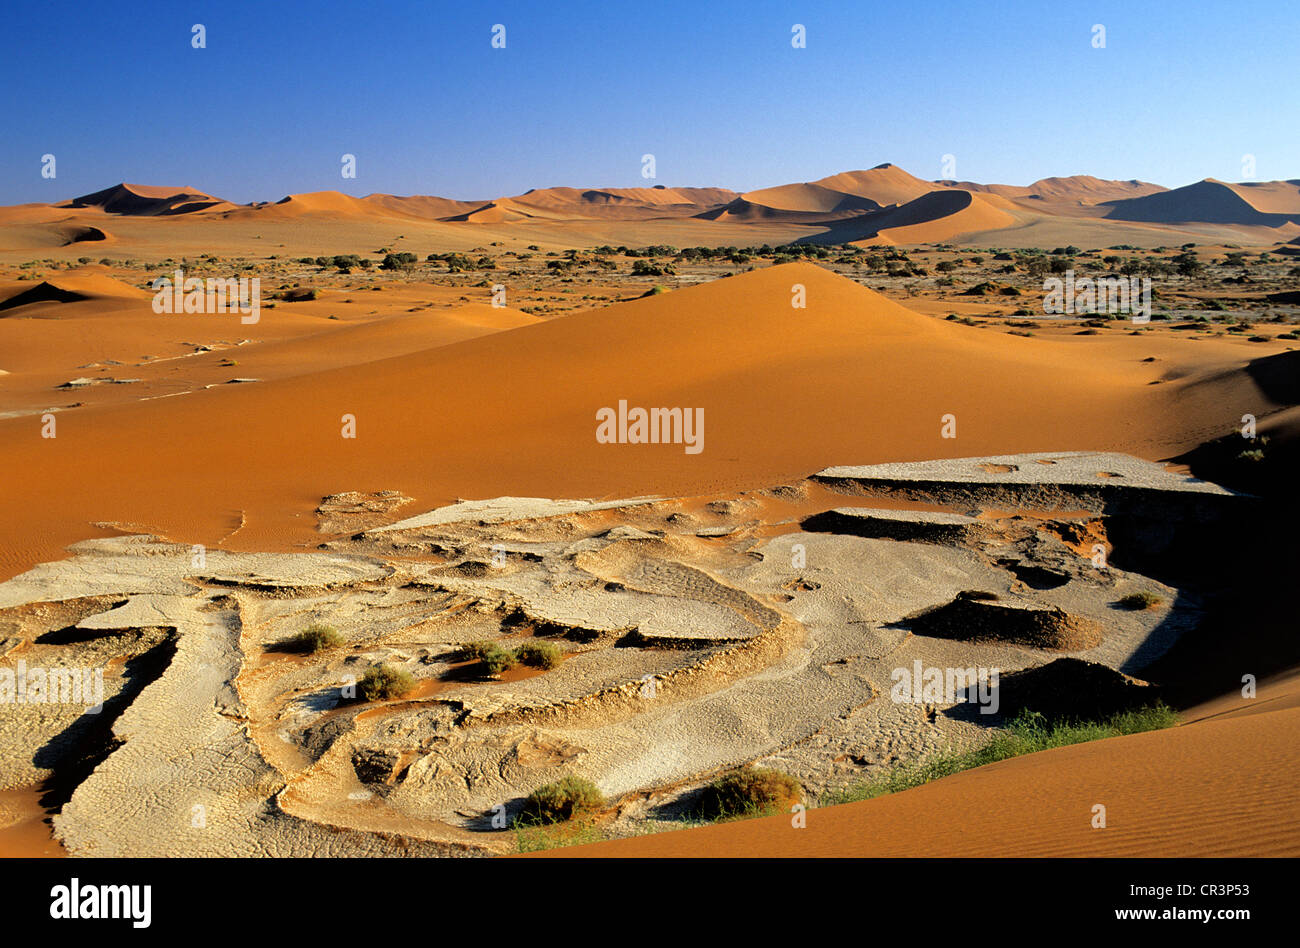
[[1028, 733], [1141, 600], [494, 658], [497, 659], [384, 681], [562, 801], [748, 792], [539, 655], [314, 638]]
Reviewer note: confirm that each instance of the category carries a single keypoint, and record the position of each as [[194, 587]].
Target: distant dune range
[[477, 402], [882, 205]]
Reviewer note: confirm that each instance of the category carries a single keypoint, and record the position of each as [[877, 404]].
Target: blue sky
[[1015, 91]]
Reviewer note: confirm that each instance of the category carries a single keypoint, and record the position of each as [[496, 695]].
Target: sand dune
[[138, 200], [89, 283], [885, 184], [934, 216], [1079, 188], [1077, 209], [785, 391], [422, 206], [315, 204], [663, 197], [809, 198], [1269, 205]]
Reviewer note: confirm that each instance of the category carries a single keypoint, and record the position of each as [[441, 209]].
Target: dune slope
[[852, 377]]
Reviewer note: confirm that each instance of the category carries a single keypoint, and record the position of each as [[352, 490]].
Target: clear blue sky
[[1014, 90]]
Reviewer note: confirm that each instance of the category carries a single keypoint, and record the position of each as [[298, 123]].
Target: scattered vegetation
[[749, 792], [384, 681], [563, 800], [1026, 734], [314, 638], [539, 655], [1141, 600]]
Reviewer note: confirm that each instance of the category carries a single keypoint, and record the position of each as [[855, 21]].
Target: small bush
[[314, 638], [495, 658], [473, 651], [563, 800], [384, 681], [751, 791], [539, 655], [1141, 600]]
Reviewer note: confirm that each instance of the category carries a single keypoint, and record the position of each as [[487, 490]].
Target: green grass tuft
[[1028, 733]]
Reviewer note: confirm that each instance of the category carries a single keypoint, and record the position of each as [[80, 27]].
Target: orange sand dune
[[1079, 188], [504, 211], [932, 217], [885, 184], [108, 331], [662, 197], [1270, 204], [808, 197], [743, 211], [1221, 785], [314, 204], [139, 200], [420, 205], [851, 378], [1269, 197]]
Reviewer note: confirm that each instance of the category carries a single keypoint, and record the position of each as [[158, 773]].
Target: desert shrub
[[650, 268], [539, 654], [750, 791], [314, 638], [1141, 600], [563, 800], [384, 681], [398, 261], [495, 658]]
